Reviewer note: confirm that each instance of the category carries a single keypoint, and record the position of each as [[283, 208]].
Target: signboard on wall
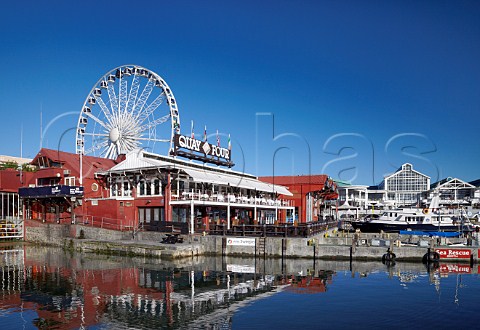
[[454, 253], [51, 191], [241, 242], [204, 151], [241, 269]]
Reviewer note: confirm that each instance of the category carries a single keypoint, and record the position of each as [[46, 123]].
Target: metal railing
[[260, 230], [106, 222], [93, 221], [198, 195], [11, 229], [280, 230]]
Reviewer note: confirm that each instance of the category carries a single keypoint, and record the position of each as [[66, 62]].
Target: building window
[[114, 189], [121, 187], [70, 181], [149, 187], [151, 214], [156, 187], [43, 162], [48, 181], [141, 188], [179, 214], [148, 216]]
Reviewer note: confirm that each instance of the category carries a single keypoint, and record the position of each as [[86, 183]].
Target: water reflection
[[47, 287]]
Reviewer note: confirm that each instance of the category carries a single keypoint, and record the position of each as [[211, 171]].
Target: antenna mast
[[41, 127]]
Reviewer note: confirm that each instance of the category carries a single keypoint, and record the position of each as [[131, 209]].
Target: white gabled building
[[405, 186], [454, 192], [402, 188]]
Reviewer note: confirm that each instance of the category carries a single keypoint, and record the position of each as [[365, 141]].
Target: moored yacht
[[428, 219]]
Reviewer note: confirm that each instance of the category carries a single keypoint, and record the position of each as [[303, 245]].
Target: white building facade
[[405, 186], [402, 188]]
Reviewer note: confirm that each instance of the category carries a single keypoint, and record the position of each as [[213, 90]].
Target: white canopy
[[136, 160], [235, 181]]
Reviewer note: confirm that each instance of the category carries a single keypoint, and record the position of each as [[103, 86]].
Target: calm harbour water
[[47, 288]]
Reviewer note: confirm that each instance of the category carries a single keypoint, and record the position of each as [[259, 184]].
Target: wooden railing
[[281, 230], [263, 230]]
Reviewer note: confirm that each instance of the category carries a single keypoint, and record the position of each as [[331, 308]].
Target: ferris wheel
[[129, 107]]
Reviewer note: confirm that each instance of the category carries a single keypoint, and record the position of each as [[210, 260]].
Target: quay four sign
[[201, 150]]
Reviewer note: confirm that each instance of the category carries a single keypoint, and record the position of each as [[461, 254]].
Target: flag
[[193, 134], [176, 125], [205, 134], [229, 143], [218, 139]]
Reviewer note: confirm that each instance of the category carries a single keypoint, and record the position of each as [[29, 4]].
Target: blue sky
[[352, 89]]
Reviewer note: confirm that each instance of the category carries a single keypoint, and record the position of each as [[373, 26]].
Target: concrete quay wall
[[110, 242], [147, 244]]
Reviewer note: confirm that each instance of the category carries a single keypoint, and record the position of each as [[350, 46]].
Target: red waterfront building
[[153, 192], [11, 217], [10, 181], [313, 196], [54, 193], [148, 191]]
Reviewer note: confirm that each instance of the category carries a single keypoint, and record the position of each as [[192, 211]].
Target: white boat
[[427, 219]]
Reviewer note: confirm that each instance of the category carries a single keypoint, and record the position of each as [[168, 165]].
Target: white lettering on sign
[[451, 268], [241, 269], [201, 146], [189, 143], [220, 152], [454, 253], [241, 241]]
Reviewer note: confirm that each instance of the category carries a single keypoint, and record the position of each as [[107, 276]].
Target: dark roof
[[440, 182], [475, 183]]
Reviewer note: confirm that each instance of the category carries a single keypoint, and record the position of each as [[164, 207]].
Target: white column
[[192, 279], [8, 205], [81, 168], [192, 217], [228, 211]]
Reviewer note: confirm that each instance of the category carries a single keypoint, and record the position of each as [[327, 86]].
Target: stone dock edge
[[332, 245]]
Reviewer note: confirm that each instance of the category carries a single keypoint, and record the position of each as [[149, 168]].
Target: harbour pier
[[329, 245]]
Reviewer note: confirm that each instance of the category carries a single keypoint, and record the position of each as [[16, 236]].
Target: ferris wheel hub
[[114, 135]]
